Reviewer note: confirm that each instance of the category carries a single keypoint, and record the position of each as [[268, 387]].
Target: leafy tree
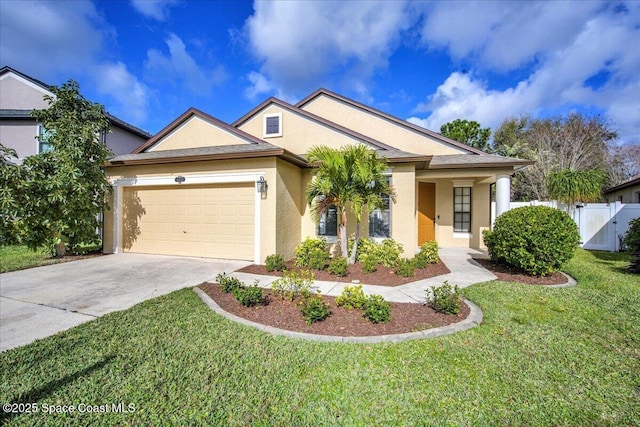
[[468, 132], [574, 142], [65, 190], [570, 186], [349, 178], [10, 196]]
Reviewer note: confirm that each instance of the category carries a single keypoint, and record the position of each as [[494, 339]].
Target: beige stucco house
[[194, 188], [20, 94], [627, 192]]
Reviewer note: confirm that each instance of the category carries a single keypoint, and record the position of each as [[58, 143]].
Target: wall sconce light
[[180, 179], [261, 185]]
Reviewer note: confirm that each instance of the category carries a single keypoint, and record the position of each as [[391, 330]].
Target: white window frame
[[264, 125], [470, 212], [41, 131], [380, 239]]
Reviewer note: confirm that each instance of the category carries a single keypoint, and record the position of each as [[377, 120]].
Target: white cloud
[[156, 9], [560, 81], [301, 43], [179, 65], [48, 39], [132, 96], [504, 35]]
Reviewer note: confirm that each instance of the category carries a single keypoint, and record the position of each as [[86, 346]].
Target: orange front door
[[426, 212]]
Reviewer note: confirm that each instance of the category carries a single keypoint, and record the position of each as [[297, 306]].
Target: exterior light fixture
[[180, 179], [261, 185]]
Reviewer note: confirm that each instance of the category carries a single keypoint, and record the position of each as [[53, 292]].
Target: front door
[[426, 212]]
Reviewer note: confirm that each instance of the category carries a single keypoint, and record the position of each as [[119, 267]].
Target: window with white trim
[[380, 219], [328, 224], [462, 209], [272, 125], [44, 146]]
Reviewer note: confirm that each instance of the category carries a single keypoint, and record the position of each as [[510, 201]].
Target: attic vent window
[[272, 125]]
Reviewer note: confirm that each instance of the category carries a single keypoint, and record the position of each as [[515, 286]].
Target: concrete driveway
[[39, 302]]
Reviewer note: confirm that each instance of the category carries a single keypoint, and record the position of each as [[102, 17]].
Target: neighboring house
[[20, 94], [627, 192], [194, 188]]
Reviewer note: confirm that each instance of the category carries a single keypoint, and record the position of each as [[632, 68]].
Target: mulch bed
[[383, 276], [507, 273], [405, 317]]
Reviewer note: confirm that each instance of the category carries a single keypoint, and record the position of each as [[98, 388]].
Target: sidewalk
[[464, 272]]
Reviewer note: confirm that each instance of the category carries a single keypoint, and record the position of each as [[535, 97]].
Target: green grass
[[20, 257], [541, 357]]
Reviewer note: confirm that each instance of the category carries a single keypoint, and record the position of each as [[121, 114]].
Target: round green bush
[[536, 239], [631, 239]]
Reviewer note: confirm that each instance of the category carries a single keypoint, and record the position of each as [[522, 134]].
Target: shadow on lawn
[[610, 259], [37, 394]]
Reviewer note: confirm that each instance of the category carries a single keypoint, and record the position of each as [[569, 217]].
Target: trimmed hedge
[[537, 239]]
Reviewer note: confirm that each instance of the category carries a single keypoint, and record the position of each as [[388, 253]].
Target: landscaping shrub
[[389, 252], [339, 266], [370, 264], [536, 239], [314, 309], [249, 296], [406, 267], [293, 284], [631, 242], [377, 310], [444, 298], [274, 262], [367, 247], [228, 283], [312, 253], [428, 254], [352, 297]]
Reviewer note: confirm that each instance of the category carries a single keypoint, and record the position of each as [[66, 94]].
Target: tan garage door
[[205, 220]]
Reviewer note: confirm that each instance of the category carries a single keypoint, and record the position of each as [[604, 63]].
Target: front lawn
[[542, 356], [19, 257]]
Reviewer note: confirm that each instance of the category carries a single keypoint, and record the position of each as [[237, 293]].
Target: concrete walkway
[[464, 272]]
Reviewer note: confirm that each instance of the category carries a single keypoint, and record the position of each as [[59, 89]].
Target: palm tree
[[351, 177], [572, 186]]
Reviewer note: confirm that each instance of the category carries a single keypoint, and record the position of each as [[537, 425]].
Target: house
[[627, 192], [202, 187], [20, 94]]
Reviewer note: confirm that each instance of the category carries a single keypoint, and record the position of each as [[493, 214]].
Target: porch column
[[503, 194], [117, 220]]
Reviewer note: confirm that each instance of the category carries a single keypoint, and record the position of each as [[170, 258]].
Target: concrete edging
[[473, 319]]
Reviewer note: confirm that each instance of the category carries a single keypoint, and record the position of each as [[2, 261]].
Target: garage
[[213, 220]]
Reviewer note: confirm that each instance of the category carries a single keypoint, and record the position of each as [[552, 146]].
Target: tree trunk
[[354, 249], [60, 250], [342, 229]]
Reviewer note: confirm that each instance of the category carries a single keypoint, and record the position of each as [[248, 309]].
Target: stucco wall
[[196, 132], [404, 227], [627, 195], [122, 142], [18, 95], [289, 208], [377, 128], [299, 134], [20, 135]]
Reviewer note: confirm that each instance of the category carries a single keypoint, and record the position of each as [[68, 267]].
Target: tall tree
[[624, 163], [10, 196], [573, 142], [351, 179], [571, 186], [65, 189], [468, 132]]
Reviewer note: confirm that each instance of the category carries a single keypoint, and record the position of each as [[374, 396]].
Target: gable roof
[[459, 161], [385, 150], [630, 183], [20, 114], [403, 123], [194, 112]]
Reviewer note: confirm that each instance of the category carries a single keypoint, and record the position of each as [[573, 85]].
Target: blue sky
[[427, 62]]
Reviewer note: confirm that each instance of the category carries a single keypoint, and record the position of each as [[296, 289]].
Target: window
[[380, 220], [272, 125], [462, 209], [328, 225], [44, 146]]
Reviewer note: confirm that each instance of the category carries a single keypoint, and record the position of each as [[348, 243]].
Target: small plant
[[388, 252], [428, 254], [444, 298], [370, 264], [228, 283], [377, 310], [314, 309], [352, 297], [367, 247], [406, 267], [249, 296], [274, 262], [293, 284], [312, 253], [339, 267]]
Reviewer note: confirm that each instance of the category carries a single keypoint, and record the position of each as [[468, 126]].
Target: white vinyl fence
[[601, 225]]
